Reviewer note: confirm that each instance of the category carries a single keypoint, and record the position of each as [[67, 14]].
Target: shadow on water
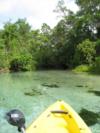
[[50, 85], [33, 92], [97, 93], [89, 117]]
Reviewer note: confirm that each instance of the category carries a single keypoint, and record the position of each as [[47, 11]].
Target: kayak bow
[[59, 118]]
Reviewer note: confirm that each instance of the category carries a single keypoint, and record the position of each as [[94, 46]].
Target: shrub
[[82, 68], [22, 63], [4, 62], [98, 47], [85, 53], [96, 66]]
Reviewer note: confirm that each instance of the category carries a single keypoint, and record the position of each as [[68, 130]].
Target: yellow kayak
[[59, 118]]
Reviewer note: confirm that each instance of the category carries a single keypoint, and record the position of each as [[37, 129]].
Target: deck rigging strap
[[59, 112]]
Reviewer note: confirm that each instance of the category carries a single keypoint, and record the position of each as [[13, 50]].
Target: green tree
[[85, 53], [46, 30], [90, 9], [23, 62], [16, 39]]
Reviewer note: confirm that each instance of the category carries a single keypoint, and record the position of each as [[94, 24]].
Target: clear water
[[72, 88]]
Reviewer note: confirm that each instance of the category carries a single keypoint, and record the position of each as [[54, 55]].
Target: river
[[33, 92]]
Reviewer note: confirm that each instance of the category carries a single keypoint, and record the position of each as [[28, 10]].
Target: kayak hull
[[59, 118]]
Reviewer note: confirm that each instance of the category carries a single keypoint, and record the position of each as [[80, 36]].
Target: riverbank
[[92, 70], [79, 69], [4, 70], [82, 68]]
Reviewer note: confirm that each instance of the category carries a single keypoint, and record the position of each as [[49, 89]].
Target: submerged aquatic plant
[[89, 117], [97, 93], [33, 93], [50, 85], [79, 85], [86, 86]]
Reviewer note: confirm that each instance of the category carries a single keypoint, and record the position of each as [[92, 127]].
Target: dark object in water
[[16, 118], [33, 93], [82, 86], [79, 86], [50, 85], [89, 117], [97, 93]]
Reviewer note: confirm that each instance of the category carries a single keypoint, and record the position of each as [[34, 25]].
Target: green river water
[[33, 92]]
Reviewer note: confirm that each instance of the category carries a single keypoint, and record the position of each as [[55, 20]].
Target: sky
[[36, 12]]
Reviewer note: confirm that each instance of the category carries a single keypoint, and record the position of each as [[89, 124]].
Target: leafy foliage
[[96, 66], [82, 68], [22, 63], [85, 52], [74, 41]]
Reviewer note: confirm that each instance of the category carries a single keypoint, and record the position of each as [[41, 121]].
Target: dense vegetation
[[74, 41]]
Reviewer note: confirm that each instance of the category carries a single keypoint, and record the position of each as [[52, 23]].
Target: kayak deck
[[59, 118]]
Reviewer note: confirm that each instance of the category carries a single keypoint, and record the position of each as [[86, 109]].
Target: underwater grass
[[86, 86], [50, 85], [97, 93], [89, 117], [33, 93]]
